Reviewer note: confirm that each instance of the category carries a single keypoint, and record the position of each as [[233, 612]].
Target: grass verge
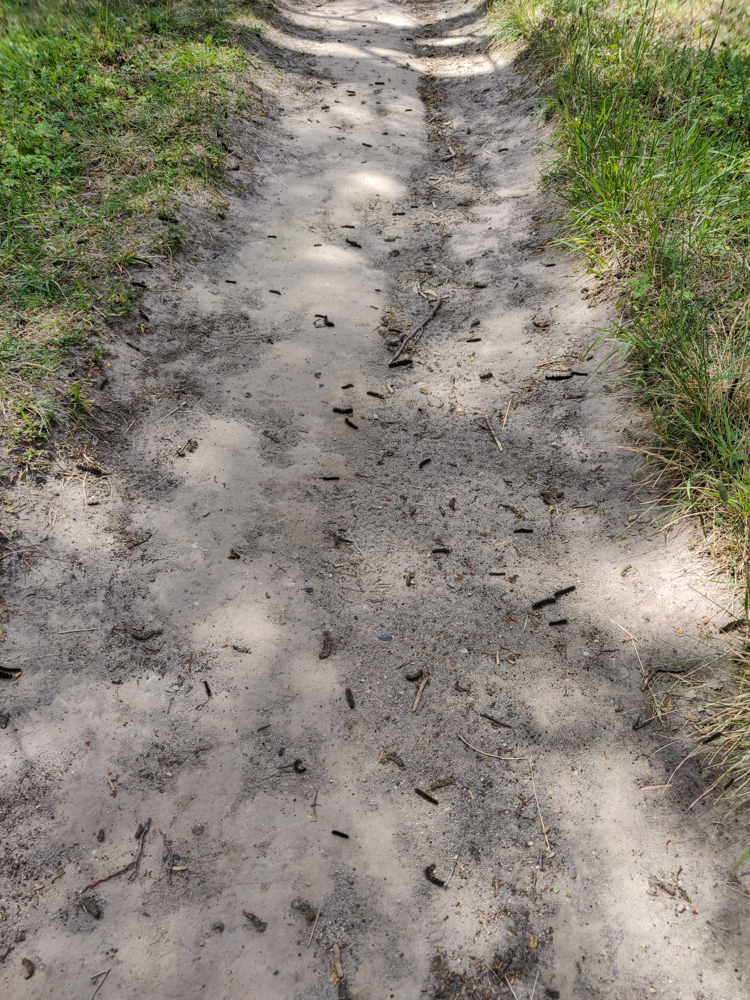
[[110, 113], [650, 105]]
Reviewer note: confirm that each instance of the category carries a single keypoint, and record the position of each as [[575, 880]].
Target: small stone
[[680, 908], [152, 579], [308, 590], [100, 836], [28, 968], [4, 720], [385, 637], [217, 927]]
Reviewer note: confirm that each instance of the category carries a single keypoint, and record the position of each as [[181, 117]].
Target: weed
[[78, 404]]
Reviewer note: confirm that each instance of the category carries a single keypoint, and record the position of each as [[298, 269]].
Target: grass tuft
[[651, 109], [110, 113]]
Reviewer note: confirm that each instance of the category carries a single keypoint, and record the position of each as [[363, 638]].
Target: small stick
[[267, 167], [313, 929], [419, 330], [494, 721], [101, 981], [170, 855], [315, 806], [108, 877], [534, 990], [112, 787], [635, 643], [533, 785], [137, 863], [422, 686], [506, 414], [458, 856], [494, 436], [484, 752], [511, 988], [96, 628]]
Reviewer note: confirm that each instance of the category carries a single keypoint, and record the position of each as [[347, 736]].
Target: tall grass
[[650, 104], [109, 114], [651, 108]]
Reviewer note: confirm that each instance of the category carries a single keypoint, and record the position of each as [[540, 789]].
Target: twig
[[538, 807], [460, 848], [101, 981], [494, 721], [422, 686], [137, 862], [509, 650], [494, 436], [313, 929], [635, 643], [170, 855], [170, 413], [511, 988], [534, 990], [484, 752], [96, 628], [506, 414], [108, 877], [267, 167], [418, 331]]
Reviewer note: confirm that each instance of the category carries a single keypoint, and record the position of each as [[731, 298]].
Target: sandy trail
[[171, 616]]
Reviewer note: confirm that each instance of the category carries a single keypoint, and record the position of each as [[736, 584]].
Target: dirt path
[[173, 617]]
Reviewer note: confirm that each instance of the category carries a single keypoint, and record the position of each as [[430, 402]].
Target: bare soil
[[227, 602]]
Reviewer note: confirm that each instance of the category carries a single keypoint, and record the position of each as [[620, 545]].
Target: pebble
[[308, 590], [385, 637], [152, 579]]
